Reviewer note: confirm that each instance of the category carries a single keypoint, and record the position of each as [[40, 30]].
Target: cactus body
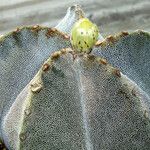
[[54, 100]]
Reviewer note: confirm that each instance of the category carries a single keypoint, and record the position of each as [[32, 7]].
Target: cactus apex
[[78, 11]]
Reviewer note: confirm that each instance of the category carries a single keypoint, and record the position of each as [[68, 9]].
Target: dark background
[[111, 16]]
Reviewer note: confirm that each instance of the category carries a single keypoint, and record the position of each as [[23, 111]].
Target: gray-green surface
[[75, 103]]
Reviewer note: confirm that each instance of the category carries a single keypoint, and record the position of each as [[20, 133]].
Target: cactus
[[52, 99]]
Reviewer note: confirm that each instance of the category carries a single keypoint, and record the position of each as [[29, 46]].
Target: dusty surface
[[111, 15]]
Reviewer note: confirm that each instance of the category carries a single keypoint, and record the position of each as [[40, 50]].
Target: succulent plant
[[52, 99]]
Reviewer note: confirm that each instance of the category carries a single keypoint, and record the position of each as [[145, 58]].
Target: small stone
[[36, 87]]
